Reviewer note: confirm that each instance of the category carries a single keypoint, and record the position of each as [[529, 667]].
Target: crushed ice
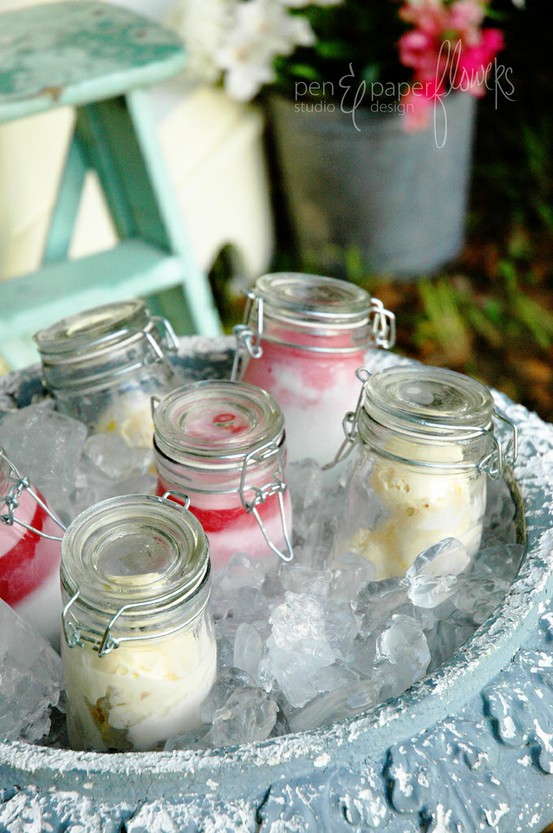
[[300, 645]]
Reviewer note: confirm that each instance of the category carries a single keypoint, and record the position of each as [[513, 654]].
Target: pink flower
[[415, 48], [428, 15], [474, 62], [465, 17]]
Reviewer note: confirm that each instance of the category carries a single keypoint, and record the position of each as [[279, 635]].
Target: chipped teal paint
[[71, 53], [468, 749], [100, 58]]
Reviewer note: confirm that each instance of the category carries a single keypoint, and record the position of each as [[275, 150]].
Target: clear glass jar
[[424, 445], [222, 443], [138, 643], [303, 338], [30, 550], [101, 366]]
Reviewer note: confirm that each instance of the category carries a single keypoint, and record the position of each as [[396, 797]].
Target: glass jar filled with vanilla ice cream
[[103, 365], [302, 340], [138, 643], [424, 444]]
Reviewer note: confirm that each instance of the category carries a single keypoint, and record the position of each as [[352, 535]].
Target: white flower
[[239, 39], [202, 24], [261, 30]]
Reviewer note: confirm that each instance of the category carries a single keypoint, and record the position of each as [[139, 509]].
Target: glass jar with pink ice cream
[[221, 444], [303, 338]]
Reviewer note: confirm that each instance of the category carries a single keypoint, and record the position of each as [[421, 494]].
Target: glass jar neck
[[103, 345], [312, 314], [428, 417], [446, 450], [255, 471], [129, 565]]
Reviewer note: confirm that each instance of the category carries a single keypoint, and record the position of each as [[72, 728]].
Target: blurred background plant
[[412, 50], [489, 313]]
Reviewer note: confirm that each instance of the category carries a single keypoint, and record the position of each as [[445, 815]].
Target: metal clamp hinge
[[383, 325], [350, 422], [11, 502], [277, 486], [248, 336]]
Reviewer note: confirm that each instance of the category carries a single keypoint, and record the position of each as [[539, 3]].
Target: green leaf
[[305, 71]]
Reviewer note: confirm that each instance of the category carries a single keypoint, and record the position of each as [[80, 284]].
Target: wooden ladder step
[[132, 268]]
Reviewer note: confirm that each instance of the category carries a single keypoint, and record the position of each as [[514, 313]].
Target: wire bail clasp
[[10, 501], [168, 339], [494, 462], [350, 423], [383, 325], [248, 336], [277, 486]]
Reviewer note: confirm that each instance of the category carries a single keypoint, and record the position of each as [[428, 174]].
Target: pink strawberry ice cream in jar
[[221, 444], [303, 338], [30, 552]]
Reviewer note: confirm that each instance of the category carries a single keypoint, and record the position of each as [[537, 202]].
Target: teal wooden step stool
[[99, 59]]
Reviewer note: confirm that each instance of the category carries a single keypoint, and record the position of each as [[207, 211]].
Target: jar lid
[[136, 550], [317, 299], [216, 421], [93, 330], [431, 400]]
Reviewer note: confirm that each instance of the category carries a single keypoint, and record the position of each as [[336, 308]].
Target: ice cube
[[46, 446], [478, 596], [447, 637], [115, 458], [31, 679], [248, 649], [224, 686], [350, 572], [293, 671], [196, 739], [299, 578], [241, 571], [340, 704], [402, 655], [299, 625], [247, 716], [446, 558], [378, 600], [93, 485], [430, 591], [341, 627], [499, 560]]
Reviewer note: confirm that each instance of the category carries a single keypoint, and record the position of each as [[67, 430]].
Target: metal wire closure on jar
[[222, 438], [492, 464], [425, 443], [138, 641], [97, 363], [323, 309], [29, 552], [12, 485]]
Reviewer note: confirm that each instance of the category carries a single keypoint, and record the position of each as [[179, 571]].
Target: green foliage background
[[490, 313]]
